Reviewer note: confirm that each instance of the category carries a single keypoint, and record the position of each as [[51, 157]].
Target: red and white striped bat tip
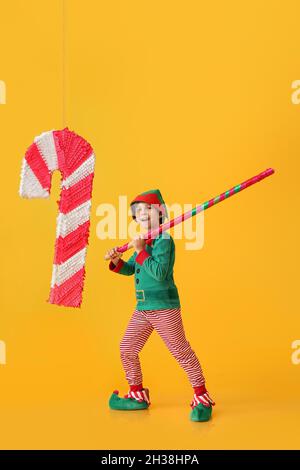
[[269, 171]]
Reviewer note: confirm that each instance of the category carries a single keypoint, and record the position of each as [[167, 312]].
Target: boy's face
[[146, 215]]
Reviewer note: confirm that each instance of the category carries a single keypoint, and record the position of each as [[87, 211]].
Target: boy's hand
[[114, 255], [139, 244]]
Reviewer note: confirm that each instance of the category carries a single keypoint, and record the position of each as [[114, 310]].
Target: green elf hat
[[153, 196]]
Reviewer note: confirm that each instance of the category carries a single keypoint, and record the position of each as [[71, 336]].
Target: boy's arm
[[123, 267], [157, 264]]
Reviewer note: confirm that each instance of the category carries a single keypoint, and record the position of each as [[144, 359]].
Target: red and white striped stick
[[211, 202]]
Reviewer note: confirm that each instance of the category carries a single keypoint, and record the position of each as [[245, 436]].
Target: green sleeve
[[128, 266], [124, 267], [157, 264]]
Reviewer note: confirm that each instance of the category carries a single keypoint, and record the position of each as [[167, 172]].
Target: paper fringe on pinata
[[71, 154]]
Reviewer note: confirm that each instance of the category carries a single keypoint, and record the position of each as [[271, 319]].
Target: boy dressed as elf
[[158, 308]]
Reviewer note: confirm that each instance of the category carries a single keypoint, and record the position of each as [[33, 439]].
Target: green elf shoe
[[201, 413], [119, 403]]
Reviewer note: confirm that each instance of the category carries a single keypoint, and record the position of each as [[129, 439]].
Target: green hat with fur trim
[[153, 196]]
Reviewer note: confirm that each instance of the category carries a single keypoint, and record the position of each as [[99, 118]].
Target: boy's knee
[[184, 352]]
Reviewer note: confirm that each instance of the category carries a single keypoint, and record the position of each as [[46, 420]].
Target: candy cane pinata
[[71, 154], [211, 202]]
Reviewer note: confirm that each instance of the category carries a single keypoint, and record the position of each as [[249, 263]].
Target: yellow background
[[192, 99]]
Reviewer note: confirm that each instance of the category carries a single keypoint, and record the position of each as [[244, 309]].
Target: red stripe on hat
[[38, 166], [68, 246], [151, 198]]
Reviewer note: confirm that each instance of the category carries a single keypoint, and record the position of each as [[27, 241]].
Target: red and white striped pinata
[[66, 151]]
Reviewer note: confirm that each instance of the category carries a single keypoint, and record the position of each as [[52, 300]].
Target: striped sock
[[136, 388], [138, 393], [200, 390]]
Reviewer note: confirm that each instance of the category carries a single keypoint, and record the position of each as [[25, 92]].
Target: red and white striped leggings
[[168, 324]]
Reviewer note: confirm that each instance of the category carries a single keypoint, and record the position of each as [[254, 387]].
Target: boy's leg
[[137, 332], [168, 324]]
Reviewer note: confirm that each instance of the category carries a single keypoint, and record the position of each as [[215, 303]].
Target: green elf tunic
[[153, 274]]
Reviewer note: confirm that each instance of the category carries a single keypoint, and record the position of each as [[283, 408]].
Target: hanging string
[[64, 55]]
